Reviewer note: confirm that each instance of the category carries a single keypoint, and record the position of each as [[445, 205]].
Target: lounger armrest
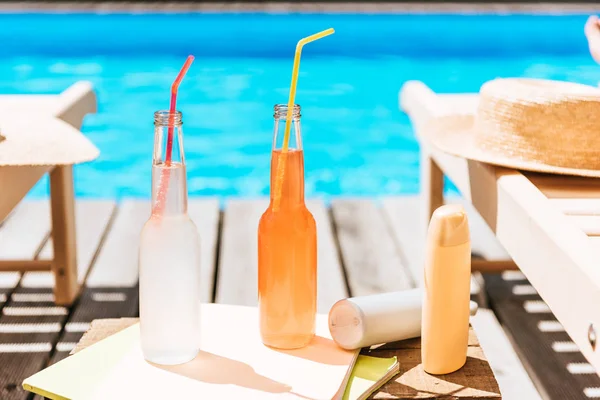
[[75, 102], [420, 102]]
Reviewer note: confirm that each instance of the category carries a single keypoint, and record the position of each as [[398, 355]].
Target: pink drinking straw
[[174, 89], [164, 177]]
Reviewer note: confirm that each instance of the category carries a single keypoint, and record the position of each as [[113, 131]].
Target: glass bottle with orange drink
[[287, 247]]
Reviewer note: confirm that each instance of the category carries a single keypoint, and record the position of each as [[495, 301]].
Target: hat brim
[[454, 134]]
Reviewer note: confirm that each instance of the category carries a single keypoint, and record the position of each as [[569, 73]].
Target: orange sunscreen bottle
[[445, 319]]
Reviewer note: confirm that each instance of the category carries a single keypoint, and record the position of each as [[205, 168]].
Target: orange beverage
[[287, 252]]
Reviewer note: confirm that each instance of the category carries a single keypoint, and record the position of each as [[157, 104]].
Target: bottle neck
[[168, 138], [290, 162], [169, 183]]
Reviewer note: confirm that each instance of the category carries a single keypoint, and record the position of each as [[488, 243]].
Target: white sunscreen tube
[[365, 321]]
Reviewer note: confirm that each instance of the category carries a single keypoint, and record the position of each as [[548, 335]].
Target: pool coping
[[301, 7]]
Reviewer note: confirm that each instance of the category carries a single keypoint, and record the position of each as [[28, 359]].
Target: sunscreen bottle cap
[[449, 226]]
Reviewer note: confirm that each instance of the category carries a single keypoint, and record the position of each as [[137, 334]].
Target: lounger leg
[[432, 186], [64, 265]]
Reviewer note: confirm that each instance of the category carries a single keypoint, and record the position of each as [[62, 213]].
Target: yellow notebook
[[233, 363], [368, 375]]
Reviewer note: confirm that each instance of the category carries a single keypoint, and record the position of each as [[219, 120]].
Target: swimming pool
[[357, 142]]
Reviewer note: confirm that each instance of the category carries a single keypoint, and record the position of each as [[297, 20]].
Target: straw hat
[[27, 139], [528, 124]]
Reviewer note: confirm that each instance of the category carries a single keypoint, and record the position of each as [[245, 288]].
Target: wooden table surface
[[475, 380]]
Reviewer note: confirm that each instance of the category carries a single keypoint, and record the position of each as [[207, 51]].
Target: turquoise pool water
[[357, 142]]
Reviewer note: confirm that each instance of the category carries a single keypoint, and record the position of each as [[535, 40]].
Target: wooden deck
[[365, 246]]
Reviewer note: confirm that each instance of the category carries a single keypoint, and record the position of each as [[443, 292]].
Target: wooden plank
[[546, 364], [402, 215], [512, 378], [115, 299], [116, 264], [21, 237], [206, 215], [92, 218], [31, 322], [331, 284], [237, 270], [370, 255], [24, 233], [237, 281], [29, 326], [111, 288]]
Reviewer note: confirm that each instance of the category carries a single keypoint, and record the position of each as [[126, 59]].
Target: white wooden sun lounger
[[549, 225], [15, 181]]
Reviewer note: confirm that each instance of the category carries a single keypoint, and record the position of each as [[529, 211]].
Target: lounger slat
[[577, 206], [91, 218], [237, 281], [562, 187], [589, 224], [595, 241], [370, 254]]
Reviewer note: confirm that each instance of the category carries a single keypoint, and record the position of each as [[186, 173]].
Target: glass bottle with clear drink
[[169, 256], [287, 248]]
